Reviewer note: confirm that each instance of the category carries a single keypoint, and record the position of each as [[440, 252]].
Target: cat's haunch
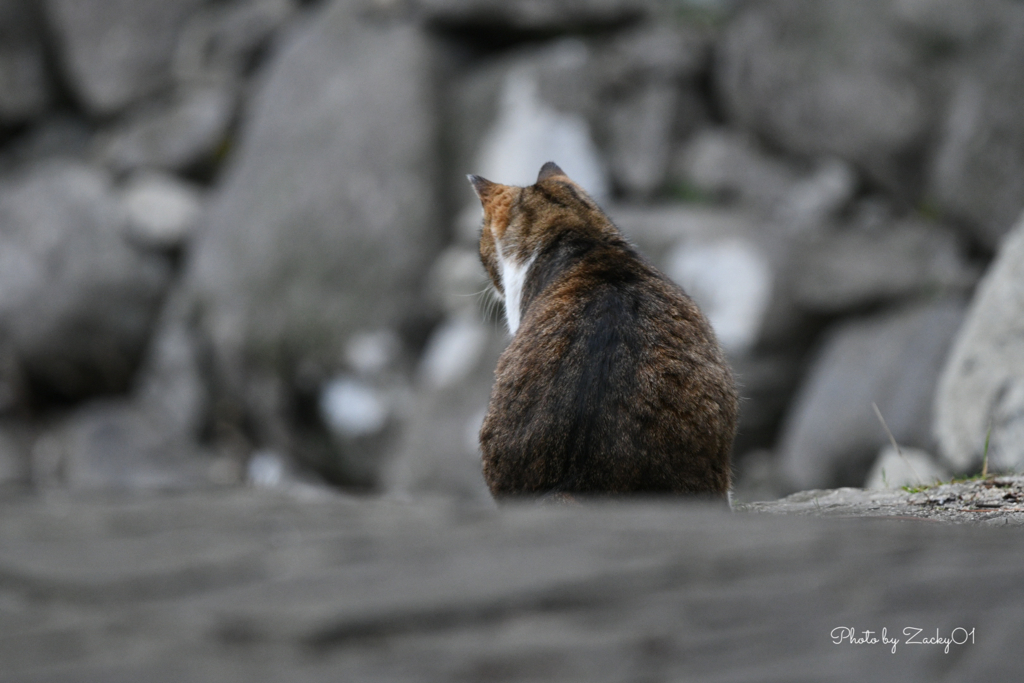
[[613, 382]]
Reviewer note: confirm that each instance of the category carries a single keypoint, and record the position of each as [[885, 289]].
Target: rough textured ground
[[251, 586], [996, 501]]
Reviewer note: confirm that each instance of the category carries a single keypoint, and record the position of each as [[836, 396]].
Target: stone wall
[[236, 243]]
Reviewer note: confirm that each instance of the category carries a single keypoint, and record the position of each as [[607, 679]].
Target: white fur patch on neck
[[513, 279]]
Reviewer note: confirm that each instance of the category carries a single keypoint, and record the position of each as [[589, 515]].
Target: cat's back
[[614, 383]]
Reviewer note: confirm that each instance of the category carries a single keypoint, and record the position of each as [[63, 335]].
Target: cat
[[613, 382]]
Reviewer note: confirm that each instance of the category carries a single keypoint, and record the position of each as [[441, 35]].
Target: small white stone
[[266, 469], [910, 467], [453, 351], [370, 353], [162, 210], [731, 281], [351, 408]]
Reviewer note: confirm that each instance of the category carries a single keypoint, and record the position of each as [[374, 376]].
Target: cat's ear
[[482, 186], [550, 170]]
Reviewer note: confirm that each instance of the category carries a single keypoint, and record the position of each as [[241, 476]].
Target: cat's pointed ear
[[550, 170], [482, 186]]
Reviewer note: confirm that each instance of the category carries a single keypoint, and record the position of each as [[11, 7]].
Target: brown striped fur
[[613, 382]]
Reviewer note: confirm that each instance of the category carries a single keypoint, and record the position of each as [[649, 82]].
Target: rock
[[439, 453], [162, 210], [14, 457], [527, 130], [649, 97], [362, 418], [172, 385], [732, 281], [259, 586], [219, 42], [832, 435], [995, 501], [325, 222], [116, 446], [25, 91], [640, 127], [145, 439], [911, 467], [981, 395], [830, 77], [729, 165], [978, 171], [819, 197], [175, 135], [726, 164], [114, 52], [849, 269], [60, 135], [767, 381], [530, 16], [76, 300]]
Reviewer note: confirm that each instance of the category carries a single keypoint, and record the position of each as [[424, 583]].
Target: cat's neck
[[571, 255]]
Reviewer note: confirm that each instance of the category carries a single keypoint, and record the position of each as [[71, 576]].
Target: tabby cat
[[613, 382]]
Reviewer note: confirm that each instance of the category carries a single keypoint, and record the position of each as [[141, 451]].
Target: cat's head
[[520, 221]]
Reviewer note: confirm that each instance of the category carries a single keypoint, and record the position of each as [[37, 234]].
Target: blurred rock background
[[237, 245]]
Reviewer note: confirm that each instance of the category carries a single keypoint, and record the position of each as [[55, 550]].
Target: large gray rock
[[219, 42], [829, 77], [259, 587], [177, 134], [24, 87], [326, 220], [115, 51], [981, 394], [649, 97], [978, 171], [76, 299], [849, 269], [15, 469], [145, 439], [439, 453], [730, 166], [116, 446], [832, 434]]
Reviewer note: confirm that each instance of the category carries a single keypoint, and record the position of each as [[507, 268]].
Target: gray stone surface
[[25, 90], [911, 467], [730, 165], [439, 453], [978, 170], [249, 586], [219, 42], [844, 270], [162, 210], [114, 52], [831, 434], [980, 397], [994, 501], [76, 299], [15, 470], [325, 221], [177, 134], [829, 77], [117, 445]]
